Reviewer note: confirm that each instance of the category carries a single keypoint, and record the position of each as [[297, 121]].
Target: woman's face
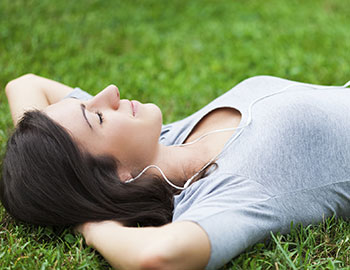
[[128, 130]]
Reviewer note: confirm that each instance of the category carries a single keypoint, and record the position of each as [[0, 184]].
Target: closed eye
[[100, 116]]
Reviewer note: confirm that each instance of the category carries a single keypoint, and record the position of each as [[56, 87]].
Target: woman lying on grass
[[266, 153]]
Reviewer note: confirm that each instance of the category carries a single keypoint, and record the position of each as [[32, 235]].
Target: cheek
[[133, 143], [133, 139], [131, 136], [122, 137]]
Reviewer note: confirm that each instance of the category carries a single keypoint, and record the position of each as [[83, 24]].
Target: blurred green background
[[180, 55]]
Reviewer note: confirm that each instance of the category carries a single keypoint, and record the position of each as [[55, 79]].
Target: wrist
[[91, 230], [85, 229]]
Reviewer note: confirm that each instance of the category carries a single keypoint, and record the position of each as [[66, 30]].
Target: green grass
[[180, 55]]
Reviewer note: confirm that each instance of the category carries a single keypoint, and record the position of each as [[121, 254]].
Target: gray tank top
[[291, 164]]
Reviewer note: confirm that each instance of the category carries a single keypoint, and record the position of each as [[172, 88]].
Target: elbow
[[13, 84], [153, 262], [160, 255]]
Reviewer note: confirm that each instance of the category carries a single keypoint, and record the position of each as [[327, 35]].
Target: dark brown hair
[[48, 180]]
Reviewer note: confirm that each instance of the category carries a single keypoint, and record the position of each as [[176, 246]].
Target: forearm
[[122, 247], [181, 245], [33, 92]]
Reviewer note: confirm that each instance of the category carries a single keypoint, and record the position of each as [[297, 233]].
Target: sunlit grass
[[180, 55]]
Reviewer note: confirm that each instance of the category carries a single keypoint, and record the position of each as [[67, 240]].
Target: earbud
[[241, 128]]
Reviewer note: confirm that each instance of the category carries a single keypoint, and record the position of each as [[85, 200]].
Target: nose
[[108, 98]]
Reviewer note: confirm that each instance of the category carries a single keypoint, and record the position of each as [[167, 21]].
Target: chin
[[156, 112]]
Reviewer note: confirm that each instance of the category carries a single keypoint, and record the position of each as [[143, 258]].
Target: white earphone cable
[[241, 128]]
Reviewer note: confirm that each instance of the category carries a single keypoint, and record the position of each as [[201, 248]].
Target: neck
[[179, 163]]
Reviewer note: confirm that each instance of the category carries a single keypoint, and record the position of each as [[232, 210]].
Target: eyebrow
[[83, 107]]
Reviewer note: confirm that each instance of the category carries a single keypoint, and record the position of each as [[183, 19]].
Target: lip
[[134, 107]]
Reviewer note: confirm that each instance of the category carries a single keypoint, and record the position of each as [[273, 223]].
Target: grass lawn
[[180, 55]]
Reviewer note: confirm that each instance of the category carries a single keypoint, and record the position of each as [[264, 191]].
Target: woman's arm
[[179, 245], [33, 92]]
